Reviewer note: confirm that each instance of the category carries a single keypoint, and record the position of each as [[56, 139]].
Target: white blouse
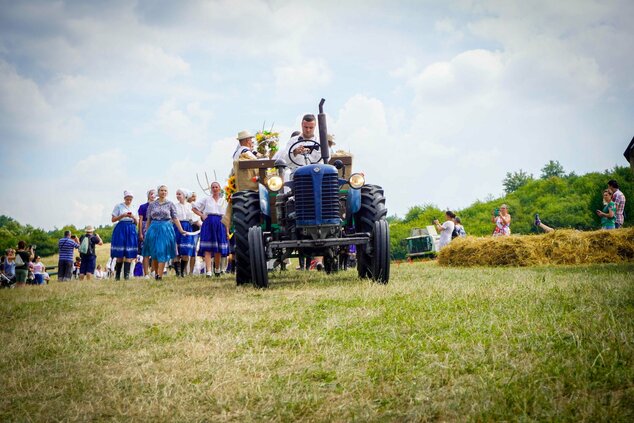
[[210, 206], [184, 211]]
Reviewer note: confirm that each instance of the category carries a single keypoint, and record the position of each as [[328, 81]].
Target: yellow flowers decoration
[[230, 188]]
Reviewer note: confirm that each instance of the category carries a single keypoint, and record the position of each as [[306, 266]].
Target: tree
[[515, 180], [553, 168]]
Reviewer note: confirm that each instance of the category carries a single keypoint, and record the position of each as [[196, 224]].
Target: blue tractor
[[321, 212]]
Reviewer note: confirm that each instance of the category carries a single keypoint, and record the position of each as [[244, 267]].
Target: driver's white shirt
[[314, 156]]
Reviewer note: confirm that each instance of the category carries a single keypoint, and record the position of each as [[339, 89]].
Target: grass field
[[483, 344]]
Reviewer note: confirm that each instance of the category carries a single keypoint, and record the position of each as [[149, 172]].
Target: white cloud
[[25, 111], [296, 81]]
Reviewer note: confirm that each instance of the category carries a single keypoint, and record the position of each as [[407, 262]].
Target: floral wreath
[[267, 142]]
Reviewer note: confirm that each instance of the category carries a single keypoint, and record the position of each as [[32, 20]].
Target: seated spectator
[[542, 225], [100, 273], [38, 270], [9, 265]]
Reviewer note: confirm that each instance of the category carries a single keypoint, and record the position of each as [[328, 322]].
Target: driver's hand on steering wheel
[[300, 150]]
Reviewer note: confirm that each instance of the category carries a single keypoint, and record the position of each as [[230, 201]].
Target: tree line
[[563, 200]]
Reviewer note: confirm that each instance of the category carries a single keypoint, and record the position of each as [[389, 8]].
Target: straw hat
[[243, 135], [89, 229]]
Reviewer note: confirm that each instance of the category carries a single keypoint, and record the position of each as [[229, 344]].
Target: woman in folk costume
[[124, 244], [184, 243], [160, 240], [213, 235]]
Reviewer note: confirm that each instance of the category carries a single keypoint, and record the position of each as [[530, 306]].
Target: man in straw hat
[[245, 140], [87, 243]]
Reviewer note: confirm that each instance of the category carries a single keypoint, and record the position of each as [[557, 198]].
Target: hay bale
[[558, 247]]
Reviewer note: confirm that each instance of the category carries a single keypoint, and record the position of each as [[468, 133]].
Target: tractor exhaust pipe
[[323, 133]]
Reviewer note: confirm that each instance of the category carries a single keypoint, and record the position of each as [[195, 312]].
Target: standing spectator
[[151, 196], [502, 220], [38, 270], [608, 215], [446, 229], [87, 243], [459, 229], [67, 247], [184, 243], [124, 244], [23, 257], [160, 241], [619, 202], [213, 235]]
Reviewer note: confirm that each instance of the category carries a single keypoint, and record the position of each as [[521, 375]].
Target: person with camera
[[87, 243], [23, 257], [446, 229], [67, 246], [502, 220], [124, 244]]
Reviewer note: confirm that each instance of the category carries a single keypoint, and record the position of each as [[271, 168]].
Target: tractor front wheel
[[373, 260], [259, 272], [246, 214]]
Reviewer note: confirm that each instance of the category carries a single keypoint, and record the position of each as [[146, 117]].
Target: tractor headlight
[[357, 180], [275, 183]]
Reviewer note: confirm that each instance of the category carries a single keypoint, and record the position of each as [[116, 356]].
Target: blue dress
[[160, 238], [124, 235]]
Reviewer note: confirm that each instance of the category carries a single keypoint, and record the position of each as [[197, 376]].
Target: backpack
[[84, 247], [455, 233], [18, 260]]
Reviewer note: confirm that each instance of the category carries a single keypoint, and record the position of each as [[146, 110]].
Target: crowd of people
[[189, 235]]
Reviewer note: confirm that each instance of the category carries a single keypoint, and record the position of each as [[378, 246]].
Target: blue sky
[[437, 101]]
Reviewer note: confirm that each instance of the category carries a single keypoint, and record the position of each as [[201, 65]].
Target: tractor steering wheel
[[312, 146]]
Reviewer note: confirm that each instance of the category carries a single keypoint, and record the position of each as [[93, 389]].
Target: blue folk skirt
[[160, 241], [213, 237], [124, 240], [185, 243]]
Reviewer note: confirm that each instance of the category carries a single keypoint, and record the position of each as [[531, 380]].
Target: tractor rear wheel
[[259, 272], [373, 260], [246, 214]]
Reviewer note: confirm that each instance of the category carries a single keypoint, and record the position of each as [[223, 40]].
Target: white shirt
[[314, 157], [210, 206], [184, 211], [120, 209], [445, 234], [240, 150]]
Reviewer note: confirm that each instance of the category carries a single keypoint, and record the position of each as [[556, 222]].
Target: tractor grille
[[312, 210]]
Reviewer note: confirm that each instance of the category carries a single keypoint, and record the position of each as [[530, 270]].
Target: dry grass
[[558, 247], [552, 343]]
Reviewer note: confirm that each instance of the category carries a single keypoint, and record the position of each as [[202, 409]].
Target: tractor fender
[[353, 203]]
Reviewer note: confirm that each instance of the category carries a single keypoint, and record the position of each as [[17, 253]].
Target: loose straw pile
[[558, 247]]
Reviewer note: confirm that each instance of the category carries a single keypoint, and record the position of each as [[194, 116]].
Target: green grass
[[551, 343]]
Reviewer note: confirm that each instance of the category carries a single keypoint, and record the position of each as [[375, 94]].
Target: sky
[[437, 101]]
